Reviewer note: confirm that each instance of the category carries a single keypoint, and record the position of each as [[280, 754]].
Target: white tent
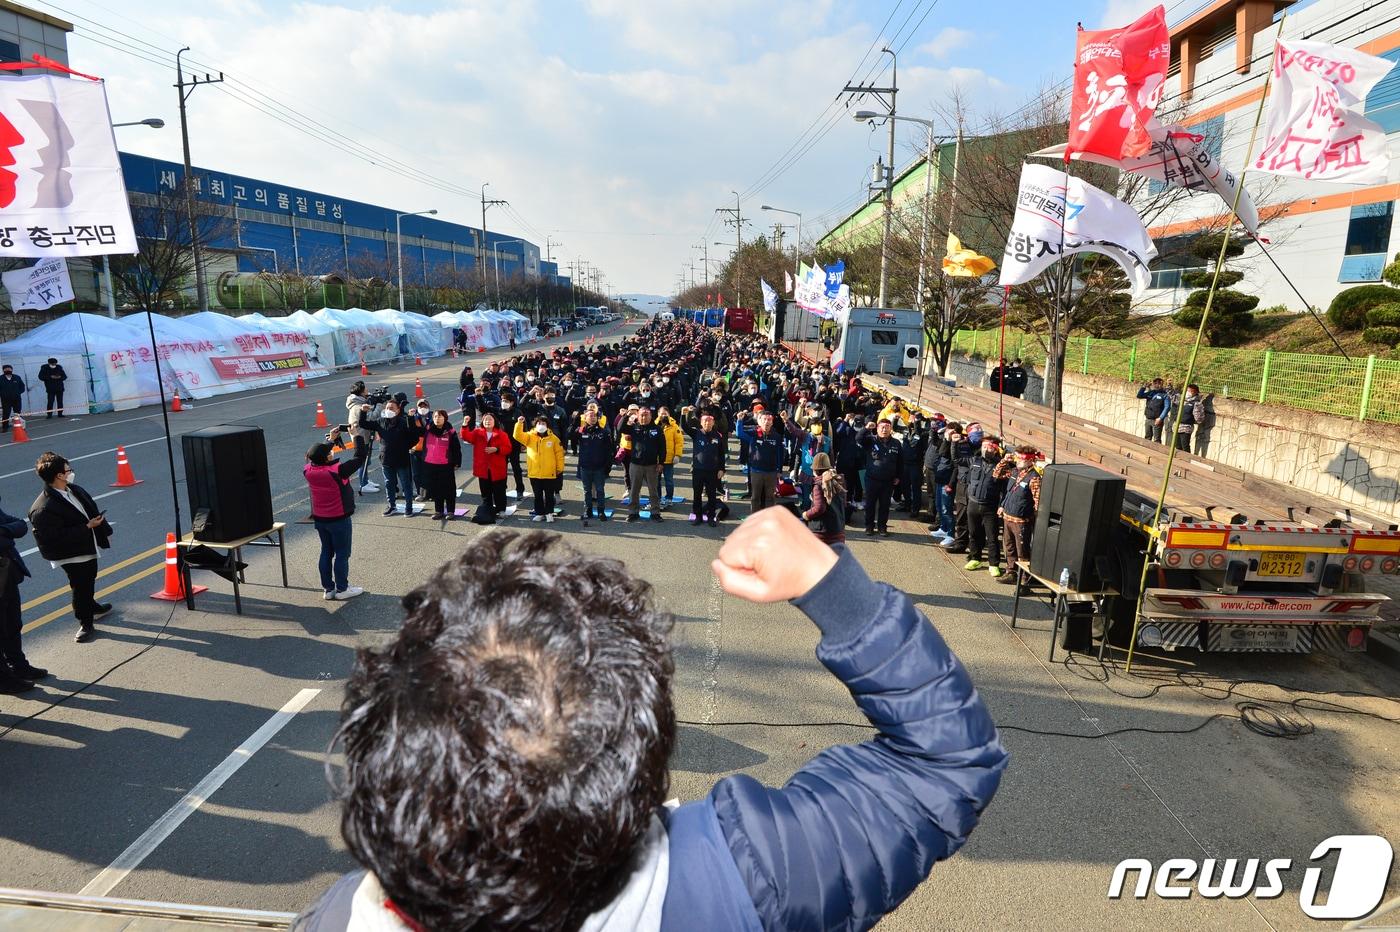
[[498, 326], [254, 353], [524, 330], [322, 335], [477, 328], [359, 336], [82, 344], [418, 335]]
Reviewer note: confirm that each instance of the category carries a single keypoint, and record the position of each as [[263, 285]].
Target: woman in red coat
[[490, 449]]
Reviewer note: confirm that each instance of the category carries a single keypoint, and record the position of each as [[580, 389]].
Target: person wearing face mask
[[645, 442], [419, 417], [442, 454], [596, 445], [883, 468], [1018, 508], [1193, 414], [490, 449], [963, 455], [767, 440], [709, 442], [361, 415], [70, 529], [545, 458], [985, 490], [506, 415], [398, 436], [675, 446], [17, 674]]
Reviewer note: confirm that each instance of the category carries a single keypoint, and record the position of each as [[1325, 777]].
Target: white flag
[[40, 286], [1050, 212], [1316, 128], [770, 297], [61, 188], [787, 281], [1178, 157]]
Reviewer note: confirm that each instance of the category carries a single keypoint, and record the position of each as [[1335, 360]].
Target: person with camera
[[398, 435], [490, 451], [332, 504], [362, 409], [17, 674], [70, 530], [507, 820]]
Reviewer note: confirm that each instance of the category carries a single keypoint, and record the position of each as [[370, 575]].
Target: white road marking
[[25, 553], [85, 456], [162, 828]]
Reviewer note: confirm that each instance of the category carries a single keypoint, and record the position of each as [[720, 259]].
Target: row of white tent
[[111, 365]]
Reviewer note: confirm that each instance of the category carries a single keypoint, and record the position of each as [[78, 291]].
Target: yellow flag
[[964, 263]]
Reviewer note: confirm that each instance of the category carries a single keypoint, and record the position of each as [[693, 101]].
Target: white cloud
[[948, 40], [623, 158], [1118, 13]]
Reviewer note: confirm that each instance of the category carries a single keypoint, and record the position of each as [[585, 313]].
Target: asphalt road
[[93, 784]]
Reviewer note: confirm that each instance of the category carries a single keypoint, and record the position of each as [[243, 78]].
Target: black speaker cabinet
[[1079, 509], [226, 476]]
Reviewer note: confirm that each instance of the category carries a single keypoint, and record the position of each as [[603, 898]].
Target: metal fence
[[1363, 388]]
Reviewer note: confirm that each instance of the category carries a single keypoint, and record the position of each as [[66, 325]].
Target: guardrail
[[1367, 389]]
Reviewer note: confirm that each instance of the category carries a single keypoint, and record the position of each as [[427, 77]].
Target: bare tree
[[164, 263]]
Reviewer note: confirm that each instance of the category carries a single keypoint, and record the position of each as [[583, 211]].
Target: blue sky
[[613, 126]]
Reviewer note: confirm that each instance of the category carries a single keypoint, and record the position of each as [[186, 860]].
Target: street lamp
[[153, 123], [496, 260], [797, 253], [870, 116], [398, 243]]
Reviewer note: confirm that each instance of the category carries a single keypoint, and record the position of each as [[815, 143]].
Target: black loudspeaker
[[226, 475], [1076, 523]]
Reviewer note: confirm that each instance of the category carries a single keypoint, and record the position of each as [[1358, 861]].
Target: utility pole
[[482, 257], [735, 216], [887, 97], [201, 290]]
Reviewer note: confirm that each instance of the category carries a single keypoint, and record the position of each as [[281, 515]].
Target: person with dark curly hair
[[506, 754]]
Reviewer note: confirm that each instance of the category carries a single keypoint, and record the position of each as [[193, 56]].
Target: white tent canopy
[[418, 335], [82, 344], [359, 336], [321, 335]]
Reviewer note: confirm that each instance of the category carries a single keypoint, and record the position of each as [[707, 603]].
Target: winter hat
[[821, 463]]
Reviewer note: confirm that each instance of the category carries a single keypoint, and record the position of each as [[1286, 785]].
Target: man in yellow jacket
[[675, 446], [544, 458]]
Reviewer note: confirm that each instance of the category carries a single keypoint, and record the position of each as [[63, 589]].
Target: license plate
[[1273, 563], [1254, 638]]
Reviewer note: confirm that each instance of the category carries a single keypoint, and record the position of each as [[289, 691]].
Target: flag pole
[[1200, 334], [1001, 361]]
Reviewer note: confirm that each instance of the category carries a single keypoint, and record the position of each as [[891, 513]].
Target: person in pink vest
[[332, 504], [490, 459], [442, 454]]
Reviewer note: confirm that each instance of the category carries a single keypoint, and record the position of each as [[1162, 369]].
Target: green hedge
[[1348, 309]]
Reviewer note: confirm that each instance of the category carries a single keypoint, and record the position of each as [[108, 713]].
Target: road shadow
[[699, 750]]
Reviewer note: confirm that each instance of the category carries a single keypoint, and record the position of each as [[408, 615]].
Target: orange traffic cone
[[21, 435], [454, 350], [321, 416], [417, 388], [175, 405], [364, 369], [301, 383], [481, 349], [417, 360], [125, 477], [174, 589]]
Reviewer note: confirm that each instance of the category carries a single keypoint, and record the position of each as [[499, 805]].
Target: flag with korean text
[[40, 286], [1118, 78], [61, 187], [1060, 215], [1317, 128]]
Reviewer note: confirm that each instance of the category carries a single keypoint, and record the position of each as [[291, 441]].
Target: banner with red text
[[1118, 77]]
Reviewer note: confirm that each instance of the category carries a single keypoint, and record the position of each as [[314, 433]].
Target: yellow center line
[[60, 612], [34, 603]]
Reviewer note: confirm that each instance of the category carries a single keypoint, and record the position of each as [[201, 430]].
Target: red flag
[[1118, 76], [708, 296], [720, 302]]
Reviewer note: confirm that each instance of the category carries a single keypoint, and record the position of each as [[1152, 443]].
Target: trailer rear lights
[[1350, 564], [1356, 638], [1367, 544], [1173, 558], [1367, 564], [1208, 539], [1217, 560], [1388, 565], [1198, 559]]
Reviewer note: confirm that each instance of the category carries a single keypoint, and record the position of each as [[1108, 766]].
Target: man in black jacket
[[69, 529], [17, 674], [596, 446], [398, 434], [648, 442], [707, 448], [11, 395], [984, 494], [884, 458], [962, 452], [51, 374]]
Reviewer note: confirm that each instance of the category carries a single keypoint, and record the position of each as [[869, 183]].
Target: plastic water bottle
[[1064, 578]]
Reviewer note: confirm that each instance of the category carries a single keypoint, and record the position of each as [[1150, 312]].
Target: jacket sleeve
[[558, 457], [860, 826], [1142, 392], [12, 528], [351, 466], [521, 437]]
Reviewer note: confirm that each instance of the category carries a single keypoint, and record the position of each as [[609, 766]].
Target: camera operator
[[361, 411], [332, 504]]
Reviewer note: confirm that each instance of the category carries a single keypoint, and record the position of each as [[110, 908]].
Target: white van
[[665, 315]]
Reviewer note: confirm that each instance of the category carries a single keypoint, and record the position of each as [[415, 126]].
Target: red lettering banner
[[1118, 77]]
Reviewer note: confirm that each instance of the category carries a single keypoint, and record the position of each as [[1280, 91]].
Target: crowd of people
[[753, 423]]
